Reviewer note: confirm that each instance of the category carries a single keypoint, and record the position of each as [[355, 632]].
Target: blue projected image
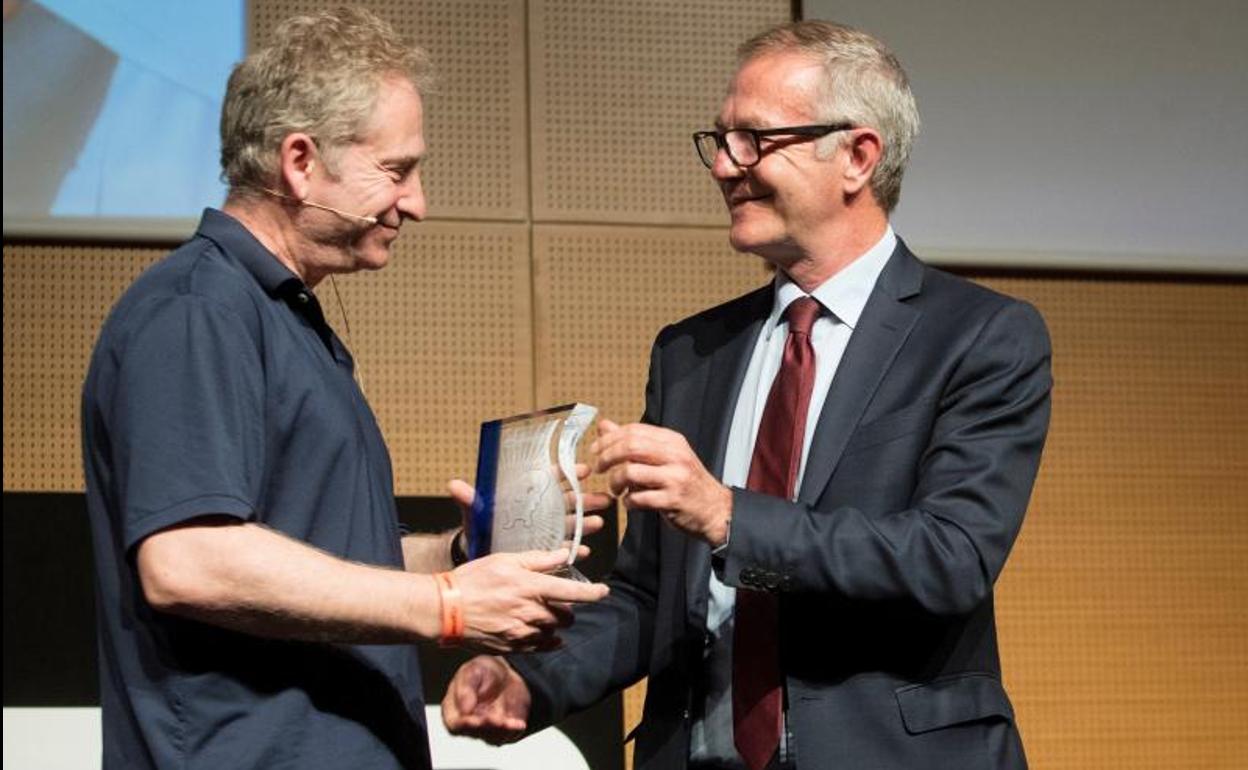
[[111, 106]]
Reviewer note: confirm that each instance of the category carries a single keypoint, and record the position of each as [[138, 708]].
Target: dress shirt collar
[[845, 294]]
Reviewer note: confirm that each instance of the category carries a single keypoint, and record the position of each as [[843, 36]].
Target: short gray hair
[[864, 84], [320, 74]]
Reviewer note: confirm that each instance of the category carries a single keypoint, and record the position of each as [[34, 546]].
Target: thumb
[[479, 684], [543, 561], [466, 694], [607, 426], [461, 492], [488, 679]]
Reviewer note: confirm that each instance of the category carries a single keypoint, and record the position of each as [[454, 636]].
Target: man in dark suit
[[830, 471]]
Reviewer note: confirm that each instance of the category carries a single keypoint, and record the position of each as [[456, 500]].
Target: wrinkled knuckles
[[518, 634]]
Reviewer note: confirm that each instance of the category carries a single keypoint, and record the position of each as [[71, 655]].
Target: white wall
[[1101, 133], [65, 738]]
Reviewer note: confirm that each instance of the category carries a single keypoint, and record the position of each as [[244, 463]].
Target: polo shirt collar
[[277, 280], [238, 242]]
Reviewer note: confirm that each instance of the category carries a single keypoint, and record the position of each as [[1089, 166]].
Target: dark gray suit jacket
[[922, 462]]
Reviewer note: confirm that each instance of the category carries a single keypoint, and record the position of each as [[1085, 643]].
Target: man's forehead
[[771, 89], [785, 75], [396, 127], [393, 149]]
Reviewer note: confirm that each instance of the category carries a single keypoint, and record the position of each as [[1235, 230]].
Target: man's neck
[[833, 249], [268, 223]]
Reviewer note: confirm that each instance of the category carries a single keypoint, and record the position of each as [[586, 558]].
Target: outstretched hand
[[487, 699]]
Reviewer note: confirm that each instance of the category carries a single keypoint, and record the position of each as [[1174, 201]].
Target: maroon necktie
[[756, 680]]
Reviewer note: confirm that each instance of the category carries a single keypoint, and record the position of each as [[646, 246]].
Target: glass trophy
[[524, 465]]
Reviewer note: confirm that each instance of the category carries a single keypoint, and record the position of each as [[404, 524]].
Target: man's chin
[[374, 258], [744, 238]]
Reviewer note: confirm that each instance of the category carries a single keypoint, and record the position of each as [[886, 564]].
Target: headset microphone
[[339, 212], [347, 214]]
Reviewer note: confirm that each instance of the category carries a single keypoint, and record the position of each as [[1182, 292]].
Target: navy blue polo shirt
[[216, 388]]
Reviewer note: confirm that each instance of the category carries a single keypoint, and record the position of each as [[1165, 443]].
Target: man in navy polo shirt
[[257, 603]]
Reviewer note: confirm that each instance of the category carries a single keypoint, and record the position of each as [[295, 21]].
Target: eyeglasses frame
[[721, 139]]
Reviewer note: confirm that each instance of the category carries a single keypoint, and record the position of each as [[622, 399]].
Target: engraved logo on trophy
[[525, 464]]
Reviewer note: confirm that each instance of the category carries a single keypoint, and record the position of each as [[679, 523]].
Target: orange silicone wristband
[[452, 609]]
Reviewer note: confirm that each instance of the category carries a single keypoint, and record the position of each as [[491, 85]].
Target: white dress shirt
[[843, 297]]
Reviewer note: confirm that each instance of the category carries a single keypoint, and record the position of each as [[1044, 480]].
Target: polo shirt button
[[303, 298]]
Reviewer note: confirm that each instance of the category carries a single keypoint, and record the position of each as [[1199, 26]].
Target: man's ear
[[863, 152], [297, 155]]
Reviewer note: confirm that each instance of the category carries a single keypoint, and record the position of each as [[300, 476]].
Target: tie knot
[[801, 314]]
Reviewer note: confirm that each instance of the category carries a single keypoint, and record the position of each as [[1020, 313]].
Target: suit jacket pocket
[[953, 700], [918, 416]]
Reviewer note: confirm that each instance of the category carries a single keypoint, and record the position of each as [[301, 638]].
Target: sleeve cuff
[[150, 523]]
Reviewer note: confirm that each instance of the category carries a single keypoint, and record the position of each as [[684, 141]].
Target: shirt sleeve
[[188, 427]]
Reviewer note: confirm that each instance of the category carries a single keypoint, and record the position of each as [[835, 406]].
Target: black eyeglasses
[[742, 143]]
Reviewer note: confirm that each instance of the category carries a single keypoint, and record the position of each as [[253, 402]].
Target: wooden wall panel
[[618, 90], [55, 300], [602, 293], [1124, 609], [443, 337]]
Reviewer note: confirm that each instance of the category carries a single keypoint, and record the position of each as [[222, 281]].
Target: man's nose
[[412, 203], [723, 167]]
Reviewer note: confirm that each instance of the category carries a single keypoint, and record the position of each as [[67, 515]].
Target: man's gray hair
[[320, 74], [864, 84]]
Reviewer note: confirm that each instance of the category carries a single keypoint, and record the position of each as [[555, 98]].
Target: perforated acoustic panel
[[618, 88], [1124, 608], [443, 339], [603, 293], [55, 300], [477, 166]]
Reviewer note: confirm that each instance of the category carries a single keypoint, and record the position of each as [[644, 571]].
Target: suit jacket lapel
[[724, 373], [884, 325]]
